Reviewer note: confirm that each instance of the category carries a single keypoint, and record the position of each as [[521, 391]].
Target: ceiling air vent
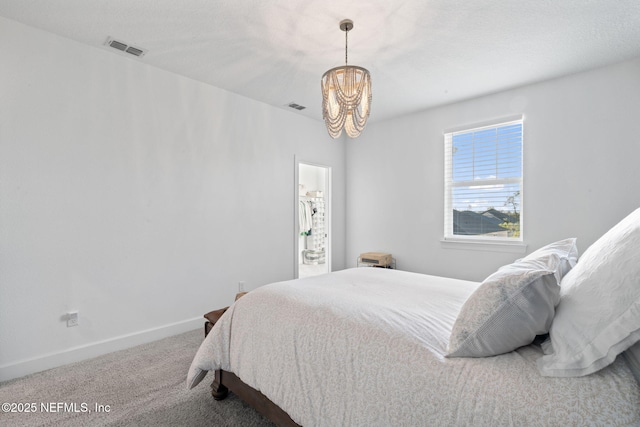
[[296, 106], [136, 51]]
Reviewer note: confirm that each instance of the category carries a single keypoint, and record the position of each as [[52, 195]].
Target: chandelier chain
[[346, 46]]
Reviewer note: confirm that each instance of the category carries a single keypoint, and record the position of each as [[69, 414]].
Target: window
[[483, 183]]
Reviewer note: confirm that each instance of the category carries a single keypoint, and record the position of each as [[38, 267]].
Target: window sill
[[484, 245]]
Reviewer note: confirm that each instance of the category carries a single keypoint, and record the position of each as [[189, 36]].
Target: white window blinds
[[483, 182]]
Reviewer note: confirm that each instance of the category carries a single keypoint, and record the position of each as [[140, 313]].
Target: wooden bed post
[[218, 390], [251, 396]]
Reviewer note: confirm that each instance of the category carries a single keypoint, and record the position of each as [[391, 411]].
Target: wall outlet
[[241, 286], [72, 319]]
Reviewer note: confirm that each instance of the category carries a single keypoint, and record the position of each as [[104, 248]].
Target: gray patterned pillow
[[507, 311], [514, 304]]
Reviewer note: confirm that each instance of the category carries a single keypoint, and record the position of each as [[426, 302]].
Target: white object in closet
[[316, 241]]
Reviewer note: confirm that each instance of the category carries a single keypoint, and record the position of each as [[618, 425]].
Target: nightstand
[[215, 315], [376, 259], [212, 317]]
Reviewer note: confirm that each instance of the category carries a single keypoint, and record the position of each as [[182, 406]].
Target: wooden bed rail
[[225, 381]]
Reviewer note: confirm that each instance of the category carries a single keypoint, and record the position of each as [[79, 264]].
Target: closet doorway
[[312, 219]]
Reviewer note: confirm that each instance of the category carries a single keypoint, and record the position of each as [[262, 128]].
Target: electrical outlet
[[72, 319], [241, 286]]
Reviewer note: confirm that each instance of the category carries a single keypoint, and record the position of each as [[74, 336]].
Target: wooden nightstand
[[212, 317]]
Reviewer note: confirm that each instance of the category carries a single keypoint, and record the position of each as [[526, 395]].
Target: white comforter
[[366, 346]]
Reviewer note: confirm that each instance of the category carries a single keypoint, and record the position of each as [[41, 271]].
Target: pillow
[[560, 256], [514, 304], [599, 312]]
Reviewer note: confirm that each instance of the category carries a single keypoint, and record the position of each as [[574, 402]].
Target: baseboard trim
[[88, 351]]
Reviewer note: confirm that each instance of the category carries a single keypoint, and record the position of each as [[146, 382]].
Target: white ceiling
[[421, 53]]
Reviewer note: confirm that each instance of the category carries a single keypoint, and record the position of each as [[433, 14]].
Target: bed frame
[[225, 381]]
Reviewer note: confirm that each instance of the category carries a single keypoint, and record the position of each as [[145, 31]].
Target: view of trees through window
[[483, 182]]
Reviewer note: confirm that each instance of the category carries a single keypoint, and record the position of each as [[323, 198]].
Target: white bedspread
[[366, 346]]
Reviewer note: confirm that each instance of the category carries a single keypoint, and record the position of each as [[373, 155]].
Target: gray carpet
[[143, 386]]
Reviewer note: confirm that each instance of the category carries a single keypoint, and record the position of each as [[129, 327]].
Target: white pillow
[[560, 256], [599, 312], [514, 304]]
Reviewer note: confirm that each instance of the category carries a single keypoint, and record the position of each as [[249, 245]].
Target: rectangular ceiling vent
[[296, 106], [133, 50]]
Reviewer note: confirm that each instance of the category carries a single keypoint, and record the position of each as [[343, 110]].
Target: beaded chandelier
[[346, 95]]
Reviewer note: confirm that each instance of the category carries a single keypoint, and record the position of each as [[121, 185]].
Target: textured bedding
[[366, 347]]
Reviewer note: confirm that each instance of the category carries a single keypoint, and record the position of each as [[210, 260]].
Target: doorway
[[312, 219]]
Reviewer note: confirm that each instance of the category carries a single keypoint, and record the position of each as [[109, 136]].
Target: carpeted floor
[[140, 386]]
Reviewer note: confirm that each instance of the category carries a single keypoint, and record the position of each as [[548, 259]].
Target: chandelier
[[346, 95]]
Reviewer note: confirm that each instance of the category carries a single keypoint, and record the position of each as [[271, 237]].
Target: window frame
[[481, 242]]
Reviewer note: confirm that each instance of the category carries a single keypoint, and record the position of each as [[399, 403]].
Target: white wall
[[312, 178], [581, 151], [140, 198], [137, 197]]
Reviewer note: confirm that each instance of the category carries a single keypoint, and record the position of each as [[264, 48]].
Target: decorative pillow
[[560, 256], [599, 312], [514, 304]]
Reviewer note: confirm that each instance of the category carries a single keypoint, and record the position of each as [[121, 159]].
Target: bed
[[381, 347]]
